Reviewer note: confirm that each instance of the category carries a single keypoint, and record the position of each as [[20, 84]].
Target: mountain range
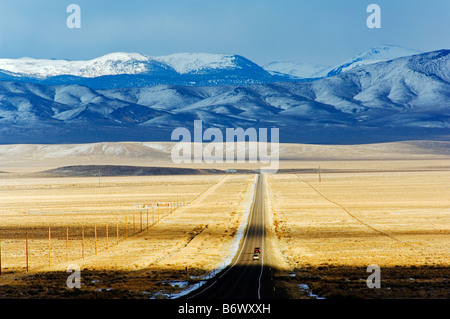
[[385, 94], [121, 69], [310, 70]]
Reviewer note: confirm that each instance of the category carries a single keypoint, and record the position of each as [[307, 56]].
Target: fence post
[[49, 247], [95, 241], [126, 227], [67, 244], [82, 242], [26, 250], [107, 239]]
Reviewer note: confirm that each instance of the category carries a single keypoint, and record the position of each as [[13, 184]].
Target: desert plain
[[331, 211]]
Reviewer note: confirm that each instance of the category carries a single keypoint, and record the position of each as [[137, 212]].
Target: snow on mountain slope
[[296, 70], [410, 83], [66, 104], [122, 63], [373, 55], [185, 63], [136, 70], [110, 64], [196, 69], [310, 70], [404, 93]]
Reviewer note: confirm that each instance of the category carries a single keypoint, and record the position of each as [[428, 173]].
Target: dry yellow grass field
[[384, 204], [363, 218], [348, 221], [197, 235]]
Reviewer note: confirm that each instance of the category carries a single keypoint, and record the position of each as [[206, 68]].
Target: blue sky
[[316, 31]]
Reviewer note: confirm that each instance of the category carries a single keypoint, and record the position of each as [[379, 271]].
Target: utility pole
[[320, 176]]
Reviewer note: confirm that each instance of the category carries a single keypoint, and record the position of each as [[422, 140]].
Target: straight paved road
[[245, 278]]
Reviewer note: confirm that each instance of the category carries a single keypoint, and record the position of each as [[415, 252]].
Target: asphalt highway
[[245, 278]]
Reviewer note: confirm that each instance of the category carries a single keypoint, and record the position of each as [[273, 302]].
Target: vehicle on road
[[257, 250], [255, 257]]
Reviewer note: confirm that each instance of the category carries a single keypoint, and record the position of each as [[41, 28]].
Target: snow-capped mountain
[[371, 56], [110, 64], [121, 69], [185, 63], [404, 98], [376, 54], [133, 69], [121, 63]]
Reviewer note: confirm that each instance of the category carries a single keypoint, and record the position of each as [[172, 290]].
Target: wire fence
[[25, 249]]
